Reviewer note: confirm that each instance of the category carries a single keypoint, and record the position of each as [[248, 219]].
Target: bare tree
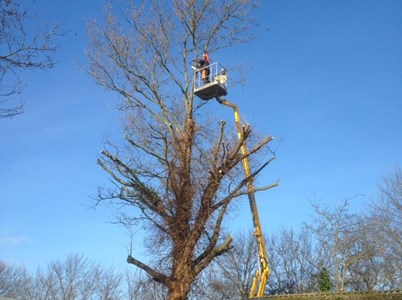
[[294, 261], [76, 278], [365, 272], [110, 285], [142, 286], [354, 258], [178, 172], [231, 275], [380, 233], [22, 48], [238, 266], [388, 213], [14, 281], [336, 231], [46, 285]]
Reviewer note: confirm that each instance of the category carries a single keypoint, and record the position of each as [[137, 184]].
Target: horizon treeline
[[338, 250]]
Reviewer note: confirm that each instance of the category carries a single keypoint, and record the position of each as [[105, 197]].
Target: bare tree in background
[[231, 275], [142, 286], [388, 213], [383, 232], [14, 281], [294, 261], [178, 172], [336, 231], [356, 259], [22, 47], [76, 277], [238, 267], [364, 272]]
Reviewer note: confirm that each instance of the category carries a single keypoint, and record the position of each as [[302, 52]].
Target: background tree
[[73, 278], [239, 266], [324, 281], [335, 230], [299, 260], [365, 273], [381, 233], [144, 287], [22, 47], [387, 213], [375, 245], [178, 172], [231, 275], [76, 277], [294, 261], [293, 257], [361, 255], [14, 281]]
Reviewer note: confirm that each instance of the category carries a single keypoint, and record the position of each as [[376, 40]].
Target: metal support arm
[[261, 276]]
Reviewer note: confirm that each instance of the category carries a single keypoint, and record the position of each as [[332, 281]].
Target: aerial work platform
[[210, 81], [212, 84]]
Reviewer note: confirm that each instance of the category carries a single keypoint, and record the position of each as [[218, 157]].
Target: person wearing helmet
[[203, 64]]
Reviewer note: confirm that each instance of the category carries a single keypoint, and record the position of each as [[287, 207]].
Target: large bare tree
[[23, 46], [177, 172]]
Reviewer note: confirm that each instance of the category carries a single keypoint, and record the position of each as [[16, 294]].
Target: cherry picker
[[215, 86]]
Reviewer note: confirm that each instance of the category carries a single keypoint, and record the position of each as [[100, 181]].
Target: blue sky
[[326, 82]]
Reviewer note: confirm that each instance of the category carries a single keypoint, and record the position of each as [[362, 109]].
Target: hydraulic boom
[[261, 276], [214, 86]]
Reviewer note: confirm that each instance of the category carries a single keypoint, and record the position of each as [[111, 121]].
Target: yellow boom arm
[[261, 276]]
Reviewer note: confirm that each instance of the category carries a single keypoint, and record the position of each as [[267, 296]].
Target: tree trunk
[[176, 295], [179, 289]]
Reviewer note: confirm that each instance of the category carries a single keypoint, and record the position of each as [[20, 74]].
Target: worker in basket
[[203, 64]]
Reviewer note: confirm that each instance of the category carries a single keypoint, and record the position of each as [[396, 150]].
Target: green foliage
[[324, 282]]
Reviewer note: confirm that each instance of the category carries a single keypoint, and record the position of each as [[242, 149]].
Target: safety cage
[[210, 81]]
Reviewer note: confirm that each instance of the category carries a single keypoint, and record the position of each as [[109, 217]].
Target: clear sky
[[326, 82]]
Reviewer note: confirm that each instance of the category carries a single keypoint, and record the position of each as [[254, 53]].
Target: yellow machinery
[[215, 87]]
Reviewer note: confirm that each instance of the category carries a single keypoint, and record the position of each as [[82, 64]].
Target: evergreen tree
[[324, 282]]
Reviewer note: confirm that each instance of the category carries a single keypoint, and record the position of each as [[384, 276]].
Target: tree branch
[[157, 276]]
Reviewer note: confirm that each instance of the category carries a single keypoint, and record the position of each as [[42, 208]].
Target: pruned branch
[[225, 246], [157, 276]]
